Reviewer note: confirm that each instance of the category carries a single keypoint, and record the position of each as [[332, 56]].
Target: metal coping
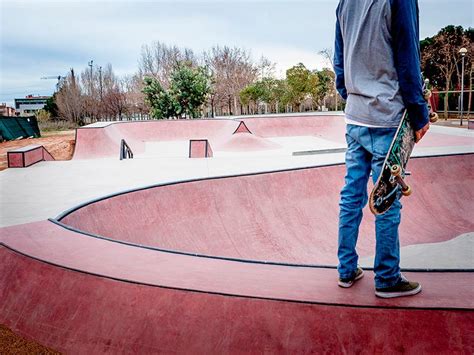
[[61, 216], [274, 299], [229, 119]]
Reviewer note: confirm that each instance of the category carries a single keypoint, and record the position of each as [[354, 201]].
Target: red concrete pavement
[[85, 314], [81, 294], [99, 142], [285, 216]]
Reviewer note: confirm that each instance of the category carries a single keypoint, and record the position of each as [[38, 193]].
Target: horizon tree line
[[234, 83]]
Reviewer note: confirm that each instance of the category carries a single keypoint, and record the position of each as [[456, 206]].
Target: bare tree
[[232, 70], [328, 55], [91, 87], [159, 60], [69, 99], [113, 102], [135, 99]]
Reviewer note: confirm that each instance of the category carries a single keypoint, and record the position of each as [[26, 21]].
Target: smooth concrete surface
[[94, 315], [457, 253], [48, 188], [282, 217], [52, 243], [82, 294], [277, 135]]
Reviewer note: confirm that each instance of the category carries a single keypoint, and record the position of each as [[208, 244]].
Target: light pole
[[100, 82], [463, 52], [90, 65]]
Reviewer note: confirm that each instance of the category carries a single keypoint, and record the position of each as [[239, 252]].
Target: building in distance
[[6, 110], [29, 105]]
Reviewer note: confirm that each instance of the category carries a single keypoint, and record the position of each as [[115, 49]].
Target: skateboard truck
[[427, 96], [396, 170]]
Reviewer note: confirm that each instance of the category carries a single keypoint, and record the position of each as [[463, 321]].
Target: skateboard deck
[[391, 180]]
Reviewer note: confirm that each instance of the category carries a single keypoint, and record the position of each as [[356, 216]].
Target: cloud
[[42, 38]]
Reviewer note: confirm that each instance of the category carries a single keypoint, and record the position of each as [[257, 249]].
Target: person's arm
[[406, 49], [339, 60]]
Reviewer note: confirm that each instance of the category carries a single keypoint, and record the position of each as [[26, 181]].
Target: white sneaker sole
[[349, 284], [398, 294]]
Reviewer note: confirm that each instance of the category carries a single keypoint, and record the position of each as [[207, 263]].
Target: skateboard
[[392, 176]]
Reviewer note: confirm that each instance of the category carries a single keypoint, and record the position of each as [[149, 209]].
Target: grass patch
[[49, 126]]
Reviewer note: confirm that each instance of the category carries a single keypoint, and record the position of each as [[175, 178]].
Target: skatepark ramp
[[286, 216], [267, 135], [100, 141], [27, 156], [237, 263]]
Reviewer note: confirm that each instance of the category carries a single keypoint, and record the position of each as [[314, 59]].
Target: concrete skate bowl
[[281, 217], [104, 141], [99, 291]]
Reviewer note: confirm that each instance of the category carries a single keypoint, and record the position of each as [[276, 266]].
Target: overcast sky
[[43, 38]]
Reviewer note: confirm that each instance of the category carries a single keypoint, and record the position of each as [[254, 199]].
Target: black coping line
[[25, 151], [198, 140], [240, 124], [239, 260], [319, 151], [22, 160], [75, 143], [219, 177], [273, 299], [8, 159], [33, 163], [111, 123], [58, 222], [239, 118]]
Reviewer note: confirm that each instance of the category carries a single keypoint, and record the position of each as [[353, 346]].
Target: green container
[[18, 127]]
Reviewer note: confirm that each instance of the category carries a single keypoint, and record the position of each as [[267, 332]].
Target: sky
[[47, 38]]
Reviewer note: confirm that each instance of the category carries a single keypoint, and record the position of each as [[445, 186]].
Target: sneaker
[[402, 288], [346, 283]]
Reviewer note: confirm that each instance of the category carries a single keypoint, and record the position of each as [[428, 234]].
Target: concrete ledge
[[27, 156], [200, 148]]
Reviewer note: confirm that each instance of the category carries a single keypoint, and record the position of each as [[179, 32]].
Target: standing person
[[377, 65]]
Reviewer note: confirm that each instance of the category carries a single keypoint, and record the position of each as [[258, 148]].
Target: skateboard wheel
[[395, 170], [407, 191], [426, 94], [433, 117]]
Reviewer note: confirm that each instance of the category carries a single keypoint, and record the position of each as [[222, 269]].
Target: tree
[[251, 95], [231, 70], [298, 78], [160, 101], [112, 99], [159, 60], [441, 59], [320, 84], [43, 115], [51, 107], [187, 92], [189, 87], [135, 99], [70, 100]]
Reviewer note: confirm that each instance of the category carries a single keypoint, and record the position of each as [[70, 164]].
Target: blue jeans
[[366, 151]]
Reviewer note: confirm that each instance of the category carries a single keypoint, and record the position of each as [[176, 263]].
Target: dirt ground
[[11, 343], [59, 144]]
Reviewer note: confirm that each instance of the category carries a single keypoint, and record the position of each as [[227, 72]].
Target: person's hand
[[421, 132]]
